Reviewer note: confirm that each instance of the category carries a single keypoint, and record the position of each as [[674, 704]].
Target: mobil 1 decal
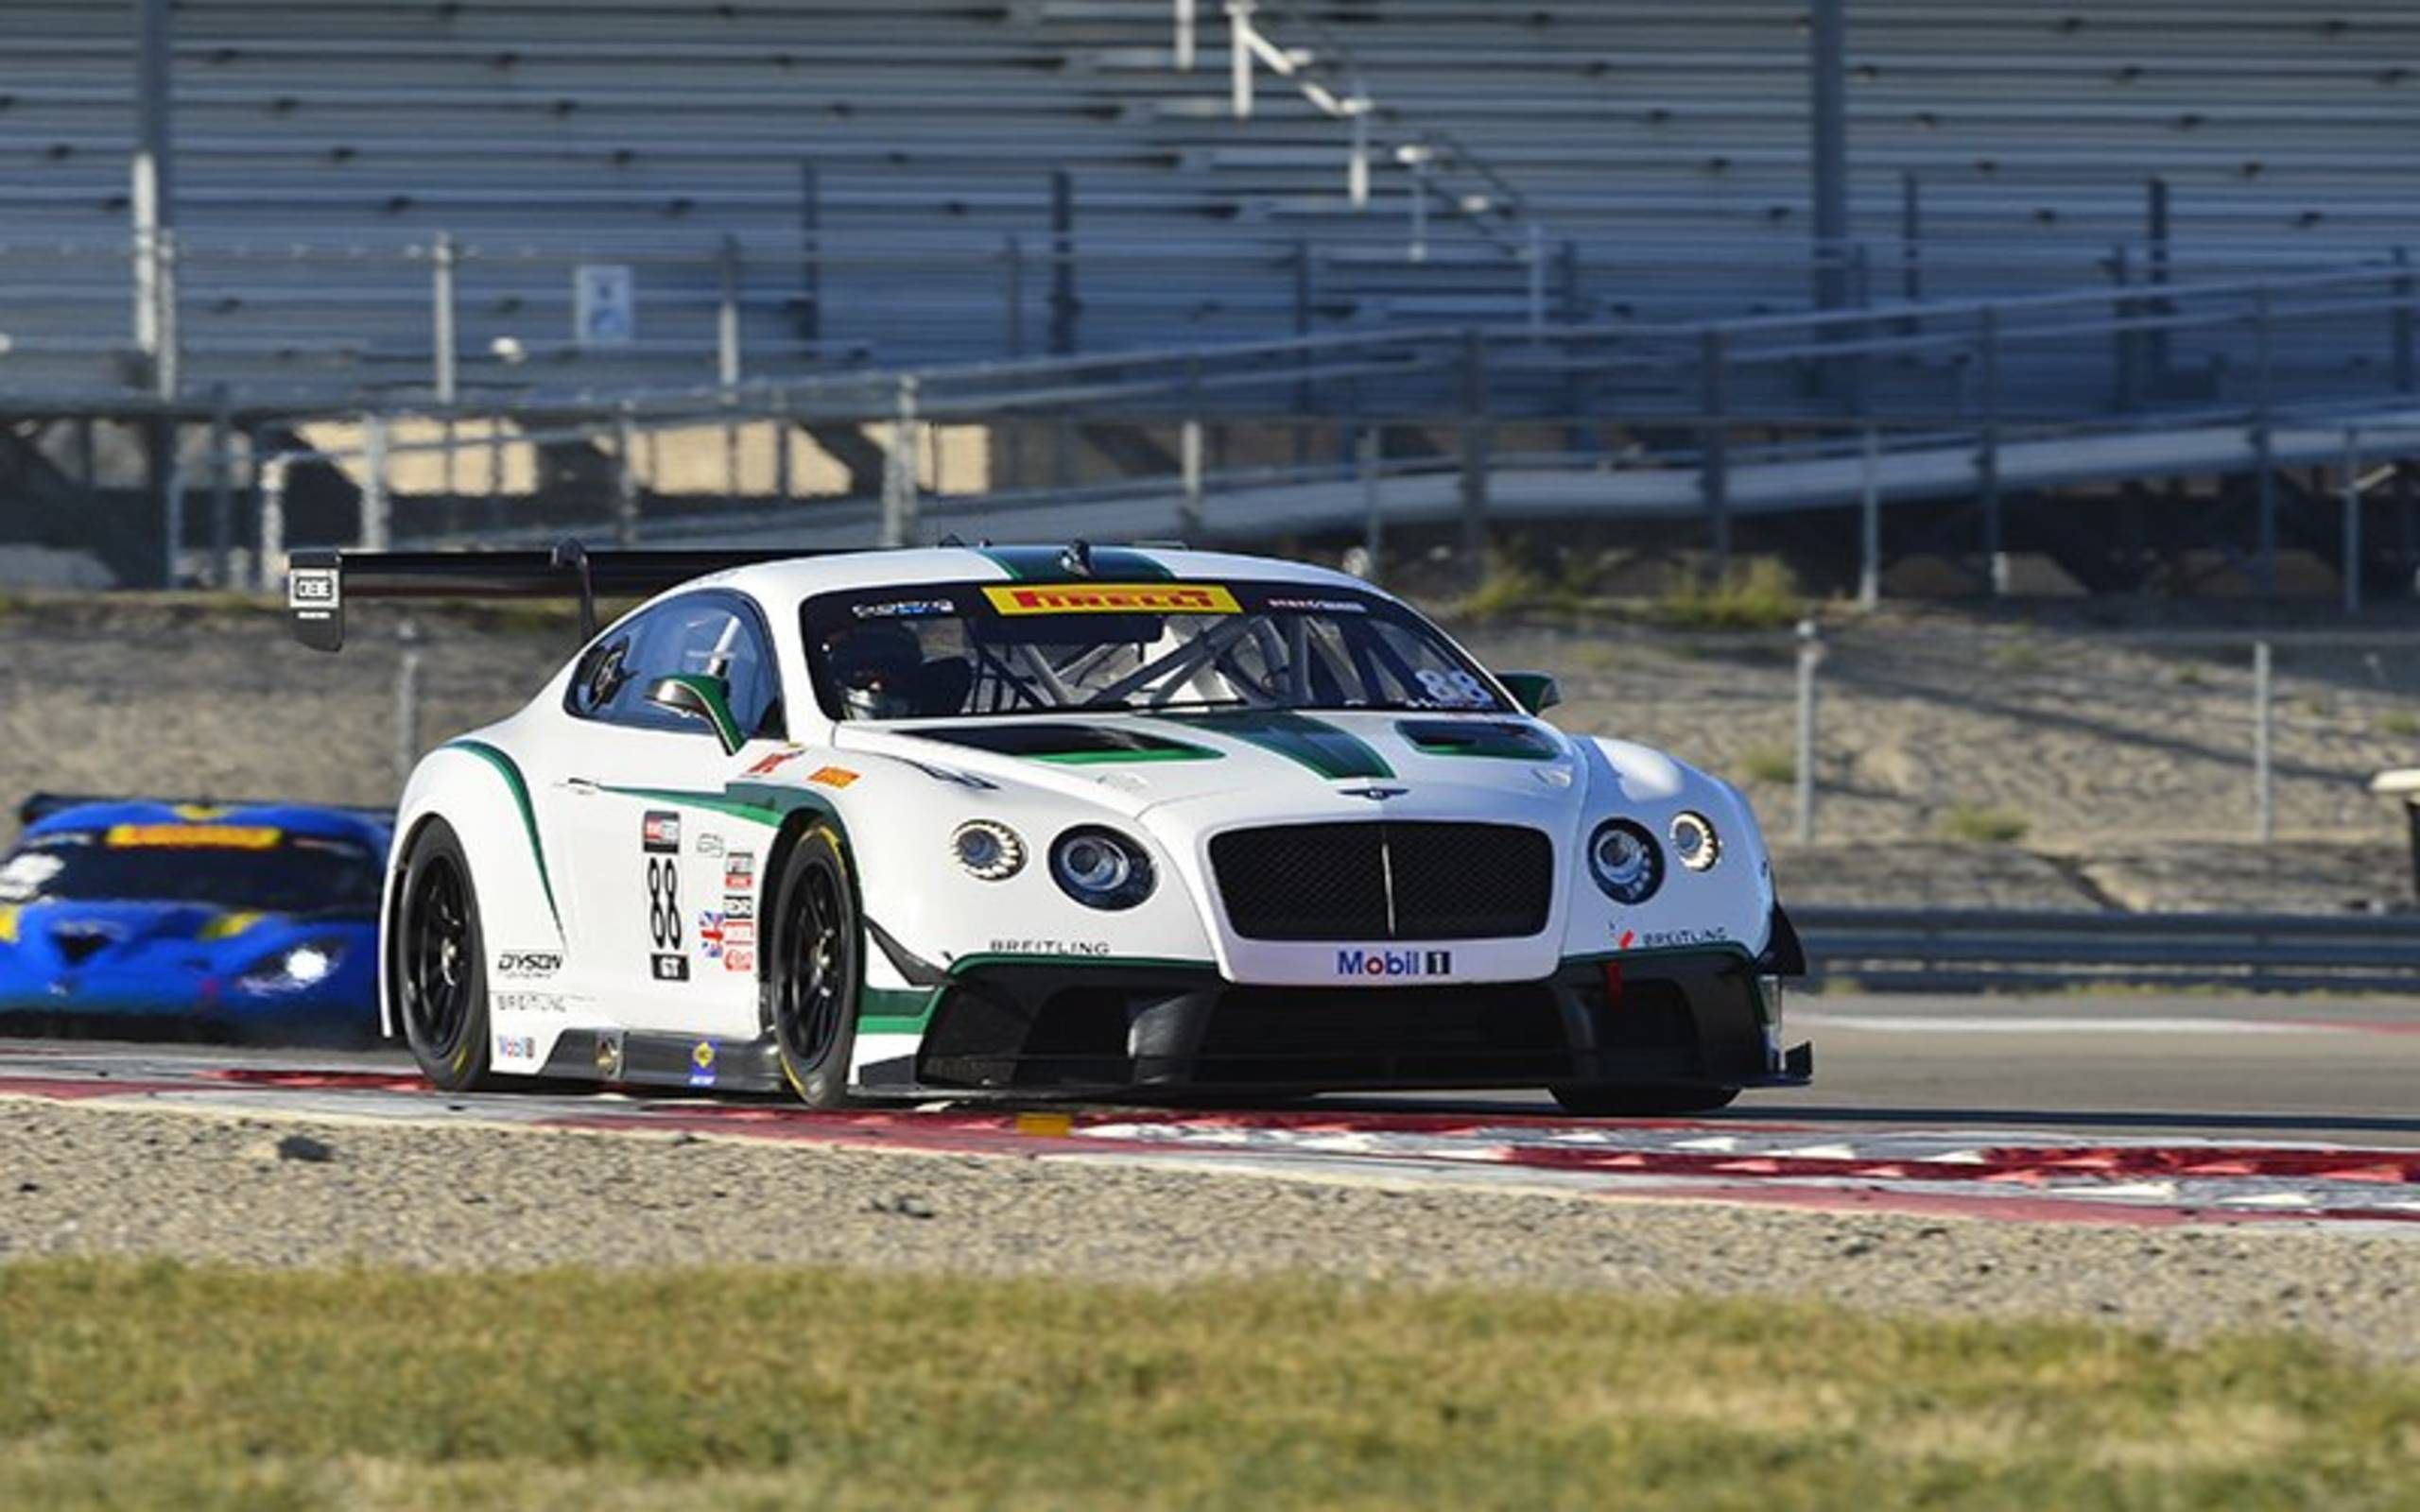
[[659, 841]]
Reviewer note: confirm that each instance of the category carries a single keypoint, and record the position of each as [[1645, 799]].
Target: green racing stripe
[[1043, 564], [519, 786], [1334, 753]]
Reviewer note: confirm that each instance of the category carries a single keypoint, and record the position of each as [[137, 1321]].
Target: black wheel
[[437, 964], [1642, 1102], [813, 969]]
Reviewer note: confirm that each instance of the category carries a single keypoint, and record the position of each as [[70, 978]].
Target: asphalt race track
[[2139, 1110]]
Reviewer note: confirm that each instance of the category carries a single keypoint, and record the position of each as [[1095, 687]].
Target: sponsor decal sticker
[[315, 590], [710, 934], [669, 968], [832, 776], [1317, 606], [193, 836], [701, 1063], [709, 845], [1656, 940], [528, 962], [660, 833], [739, 958], [899, 608], [516, 1047], [740, 906], [768, 766], [1385, 963], [1049, 947], [1625, 939], [531, 1003], [739, 871], [1113, 599]]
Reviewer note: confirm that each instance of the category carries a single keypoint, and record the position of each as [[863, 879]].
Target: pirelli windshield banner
[[1113, 599]]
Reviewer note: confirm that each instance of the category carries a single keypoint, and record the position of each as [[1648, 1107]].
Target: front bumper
[[1680, 1018]]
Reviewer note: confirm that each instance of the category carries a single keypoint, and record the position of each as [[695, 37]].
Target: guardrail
[[1953, 950]]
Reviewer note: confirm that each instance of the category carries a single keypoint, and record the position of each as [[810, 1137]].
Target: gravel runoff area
[[192, 1186], [2125, 768]]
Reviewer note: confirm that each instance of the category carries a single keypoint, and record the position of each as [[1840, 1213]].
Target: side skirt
[[656, 1059]]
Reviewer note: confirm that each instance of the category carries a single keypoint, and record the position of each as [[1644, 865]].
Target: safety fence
[[1950, 949]]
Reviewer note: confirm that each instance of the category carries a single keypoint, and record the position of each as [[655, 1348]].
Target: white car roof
[[786, 582]]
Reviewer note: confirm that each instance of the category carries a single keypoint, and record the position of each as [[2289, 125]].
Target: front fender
[[477, 787]]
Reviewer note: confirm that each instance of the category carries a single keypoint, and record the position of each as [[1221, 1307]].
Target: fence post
[[2400, 323], [272, 532], [1911, 264], [626, 479], [1184, 28], [1373, 521], [1189, 462], [1810, 655], [375, 504], [1357, 166], [2264, 776], [1987, 458], [1869, 577], [1062, 262], [781, 405], [2123, 385], [222, 491], [1475, 453], [407, 701], [899, 469], [2352, 521], [444, 380], [2263, 444], [172, 524], [1714, 461], [1537, 256]]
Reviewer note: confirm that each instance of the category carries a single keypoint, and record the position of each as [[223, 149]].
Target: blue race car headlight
[[1101, 868], [295, 967], [1626, 862]]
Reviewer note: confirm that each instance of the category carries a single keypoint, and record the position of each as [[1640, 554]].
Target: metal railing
[[1953, 950]]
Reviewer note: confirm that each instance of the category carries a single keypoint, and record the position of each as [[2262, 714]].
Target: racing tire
[[815, 960], [1642, 1102], [438, 963]]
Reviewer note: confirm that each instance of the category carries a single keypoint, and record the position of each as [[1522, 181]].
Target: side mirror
[[1536, 691], [694, 696]]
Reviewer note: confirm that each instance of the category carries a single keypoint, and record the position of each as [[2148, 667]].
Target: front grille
[[1385, 881]]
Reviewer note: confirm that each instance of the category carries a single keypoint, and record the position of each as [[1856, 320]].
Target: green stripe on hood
[[1333, 753], [1043, 564]]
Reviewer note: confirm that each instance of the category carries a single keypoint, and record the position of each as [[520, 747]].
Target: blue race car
[[256, 922]]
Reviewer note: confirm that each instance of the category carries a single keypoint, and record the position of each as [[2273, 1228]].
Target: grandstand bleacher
[[1657, 146]]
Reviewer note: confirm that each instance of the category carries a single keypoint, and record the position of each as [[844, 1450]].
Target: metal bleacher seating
[[1658, 146]]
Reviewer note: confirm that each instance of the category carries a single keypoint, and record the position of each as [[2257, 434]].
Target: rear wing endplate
[[319, 583]]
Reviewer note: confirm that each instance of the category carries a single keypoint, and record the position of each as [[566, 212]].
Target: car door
[[664, 926]]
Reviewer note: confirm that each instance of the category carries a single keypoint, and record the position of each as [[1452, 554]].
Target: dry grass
[[142, 1386]]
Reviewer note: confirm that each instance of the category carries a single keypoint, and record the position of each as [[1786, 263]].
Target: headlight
[[987, 849], [295, 967], [1101, 868], [1695, 842], [1626, 861]]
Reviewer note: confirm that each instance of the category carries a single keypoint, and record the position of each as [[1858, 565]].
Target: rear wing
[[43, 805], [318, 583]]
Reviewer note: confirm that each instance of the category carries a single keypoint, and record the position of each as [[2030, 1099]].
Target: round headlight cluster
[[1626, 862], [989, 850], [1694, 841], [1101, 868]]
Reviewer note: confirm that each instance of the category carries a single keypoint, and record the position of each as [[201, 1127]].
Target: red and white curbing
[[1984, 1173]]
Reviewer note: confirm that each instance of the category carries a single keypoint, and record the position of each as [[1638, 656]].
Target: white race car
[[1054, 821]]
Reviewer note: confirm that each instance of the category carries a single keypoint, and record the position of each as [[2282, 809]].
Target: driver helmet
[[875, 667]]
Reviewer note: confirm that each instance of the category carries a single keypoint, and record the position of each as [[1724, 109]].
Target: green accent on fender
[[910, 1010], [1042, 564], [738, 809], [519, 786], [1334, 753], [716, 695]]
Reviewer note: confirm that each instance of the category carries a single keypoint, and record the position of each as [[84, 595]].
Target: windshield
[[251, 868], [954, 649]]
